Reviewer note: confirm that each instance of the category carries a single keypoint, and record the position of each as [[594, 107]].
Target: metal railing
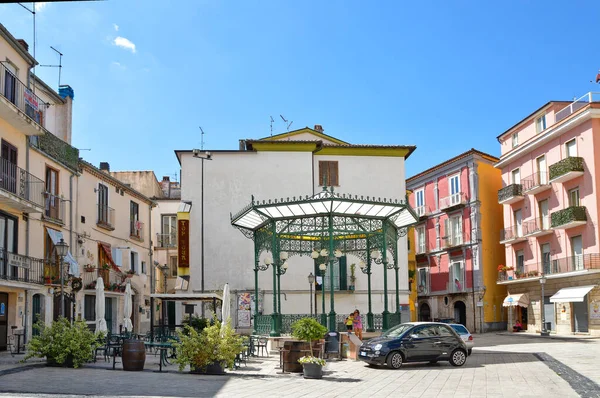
[[577, 105], [21, 183], [114, 281], [136, 230], [535, 180], [166, 240], [457, 287], [510, 191], [453, 200], [422, 211], [511, 233], [22, 97], [54, 208], [538, 224], [19, 268], [555, 266], [106, 217]]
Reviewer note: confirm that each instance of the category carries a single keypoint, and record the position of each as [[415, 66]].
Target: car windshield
[[398, 330], [460, 329]]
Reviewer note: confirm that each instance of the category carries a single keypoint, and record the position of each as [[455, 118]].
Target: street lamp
[[542, 283], [62, 248], [323, 268], [311, 280]]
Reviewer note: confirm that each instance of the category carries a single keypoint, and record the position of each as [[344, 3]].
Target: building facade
[[551, 179], [455, 243], [301, 162]]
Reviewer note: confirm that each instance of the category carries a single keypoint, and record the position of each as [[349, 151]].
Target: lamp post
[[311, 280], [62, 248], [544, 332], [205, 156], [323, 268]]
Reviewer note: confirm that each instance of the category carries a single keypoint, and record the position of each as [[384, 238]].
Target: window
[[173, 266], [10, 81], [571, 148], [545, 249], [340, 275], [328, 173], [515, 140], [52, 200], [420, 202], [574, 197], [457, 277], [117, 255], [135, 227], [520, 261], [422, 280], [443, 331], [143, 267], [102, 204], [577, 251], [541, 168], [8, 174], [133, 261], [453, 230], [421, 243], [425, 331], [516, 176], [518, 223], [89, 308], [540, 123], [543, 211], [168, 236]]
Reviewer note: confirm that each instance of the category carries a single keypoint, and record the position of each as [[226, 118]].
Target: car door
[[423, 345], [447, 341]]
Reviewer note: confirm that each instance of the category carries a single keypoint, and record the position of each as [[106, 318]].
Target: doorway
[[549, 314], [3, 321], [580, 316], [36, 312], [108, 313], [68, 306], [8, 153], [577, 249], [424, 312], [460, 313]]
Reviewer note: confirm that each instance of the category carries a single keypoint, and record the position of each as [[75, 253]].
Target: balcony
[[52, 272], [166, 240], [510, 194], [555, 267], [455, 286], [19, 106], [19, 268], [136, 230], [453, 201], [57, 149], [536, 183], [537, 227], [453, 241], [422, 211], [114, 281], [570, 217], [20, 191], [576, 105], [55, 209], [106, 217], [566, 169], [512, 235]]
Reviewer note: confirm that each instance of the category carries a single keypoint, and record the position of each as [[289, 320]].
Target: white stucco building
[[288, 165]]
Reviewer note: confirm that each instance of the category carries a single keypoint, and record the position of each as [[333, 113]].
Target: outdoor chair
[[104, 348], [261, 346]]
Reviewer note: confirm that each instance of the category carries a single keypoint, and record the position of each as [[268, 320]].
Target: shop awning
[[56, 236], [513, 300], [571, 294]]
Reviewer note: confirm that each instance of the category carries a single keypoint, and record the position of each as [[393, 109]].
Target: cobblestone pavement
[[501, 366]]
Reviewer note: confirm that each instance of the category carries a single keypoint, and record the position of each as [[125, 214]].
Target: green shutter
[[343, 274]]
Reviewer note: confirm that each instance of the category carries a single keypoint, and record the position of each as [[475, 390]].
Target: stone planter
[[312, 371], [214, 368], [68, 363]]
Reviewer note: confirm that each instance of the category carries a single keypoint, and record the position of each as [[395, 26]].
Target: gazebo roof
[[323, 204]]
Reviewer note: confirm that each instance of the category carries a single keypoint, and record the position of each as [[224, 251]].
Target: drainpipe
[[151, 266], [26, 312]]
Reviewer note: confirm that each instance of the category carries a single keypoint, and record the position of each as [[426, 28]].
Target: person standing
[[349, 322], [357, 324]]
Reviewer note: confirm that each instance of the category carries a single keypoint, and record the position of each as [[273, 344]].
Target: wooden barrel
[[134, 355], [294, 350]]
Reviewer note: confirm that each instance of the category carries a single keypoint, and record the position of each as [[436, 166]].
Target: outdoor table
[[116, 349], [163, 348], [18, 335]]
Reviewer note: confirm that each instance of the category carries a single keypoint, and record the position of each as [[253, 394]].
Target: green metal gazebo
[[326, 226]]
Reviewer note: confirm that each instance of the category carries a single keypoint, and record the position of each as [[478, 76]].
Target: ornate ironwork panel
[[377, 321], [263, 324], [394, 319], [288, 319]]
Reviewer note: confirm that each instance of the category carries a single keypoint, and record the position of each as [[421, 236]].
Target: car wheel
[[470, 351], [394, 360], [458, 357]]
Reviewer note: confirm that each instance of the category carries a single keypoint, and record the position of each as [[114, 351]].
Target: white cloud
[[116, 27], [124, 43], [118, 65], [40, 6]]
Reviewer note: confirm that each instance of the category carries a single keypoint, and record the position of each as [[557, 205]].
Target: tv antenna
[[202, 138], [272, 121], [59, 66], [286, 122]]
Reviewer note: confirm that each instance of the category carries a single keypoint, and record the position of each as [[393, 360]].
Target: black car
[[415, 342]]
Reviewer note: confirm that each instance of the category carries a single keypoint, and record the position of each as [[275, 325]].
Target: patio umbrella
[[225, 308], [127, 310], [100, 321]]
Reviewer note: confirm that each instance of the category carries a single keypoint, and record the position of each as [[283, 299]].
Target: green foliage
[[63, 340], [58, 149], [196, 322], [411, 274], [311, 359], [309, 330], [201, 349], [573, 163], [565, 216], [510, 191]]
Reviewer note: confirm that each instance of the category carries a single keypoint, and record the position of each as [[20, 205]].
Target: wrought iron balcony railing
[[582, 262], [455, 240], [569, 217], [114, 281], [510, 193], [536, 182], [566, 169], [19, 268], [537, 226], [136, 230], [55, 208], [453, 201], [16, 92], [422, 211], [514, 233], [166, 240], [20, 183], [106, 217]]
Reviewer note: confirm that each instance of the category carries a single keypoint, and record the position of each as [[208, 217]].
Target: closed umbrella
[[100, 321], [127, 310], [225, 308]]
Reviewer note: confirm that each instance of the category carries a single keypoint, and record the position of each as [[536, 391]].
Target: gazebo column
[[370, 326], [274, 314], [396, 268], [279, 297], [331, 277], [255, 330], [323, 313], [385, 314]]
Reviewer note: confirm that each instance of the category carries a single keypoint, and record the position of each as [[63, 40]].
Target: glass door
[[454, 190], [518, 224], [546, 258], [9, 167], [108, 313], [541, 166], [544, 218], [577, 249]]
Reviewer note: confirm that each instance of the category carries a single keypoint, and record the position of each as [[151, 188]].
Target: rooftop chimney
[[24, 44], [66, 91], [318, 128], [166, 178], [104, 166]]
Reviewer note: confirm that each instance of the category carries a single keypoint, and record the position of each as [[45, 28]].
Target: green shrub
[[309, 330]]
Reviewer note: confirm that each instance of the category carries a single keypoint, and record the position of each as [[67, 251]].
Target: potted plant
[[207, 351], [130, 273], [64, 344], [89, 268], [309, 330], [352, 276], [105, 266]]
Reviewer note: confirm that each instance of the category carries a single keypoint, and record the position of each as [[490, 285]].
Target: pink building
[[455, 260], [551, 179]]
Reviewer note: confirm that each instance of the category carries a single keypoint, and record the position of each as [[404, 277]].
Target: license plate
[[363, 353]]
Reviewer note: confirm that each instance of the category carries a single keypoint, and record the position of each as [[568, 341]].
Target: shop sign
[[183, 243]]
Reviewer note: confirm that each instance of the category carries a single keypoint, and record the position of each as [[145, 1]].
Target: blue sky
[[147, 73]]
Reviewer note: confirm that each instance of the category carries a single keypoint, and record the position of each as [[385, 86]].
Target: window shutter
[[343, 273], [446, 228], [322, 170], [333, 173]]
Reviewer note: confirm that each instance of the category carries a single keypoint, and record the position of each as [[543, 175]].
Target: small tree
[[309, 330]]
